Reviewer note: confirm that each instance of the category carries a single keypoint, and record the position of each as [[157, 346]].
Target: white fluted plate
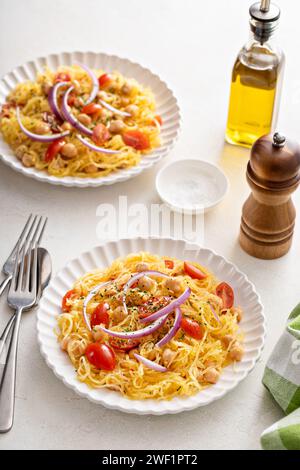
[[252, 324], [167, 108]]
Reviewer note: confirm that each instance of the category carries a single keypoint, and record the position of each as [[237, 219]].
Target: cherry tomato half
[[62, 77], [100, 134], [225, 292], [64, 304], [193, 272], [101, 356], [169, 263], [92, 108], [123, 344], [100, 315], [192, 328], [53, 149], [136, 139], [104, 80]]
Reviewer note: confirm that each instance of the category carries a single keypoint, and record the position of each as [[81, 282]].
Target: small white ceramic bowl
[[192, 186]]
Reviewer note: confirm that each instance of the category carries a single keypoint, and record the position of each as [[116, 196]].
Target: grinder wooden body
[[268, 215]]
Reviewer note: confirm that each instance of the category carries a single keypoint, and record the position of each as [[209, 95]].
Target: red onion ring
[[52, 99], [172, 332], [39, 137], [90, 295], [113, 109], [69, 116], [137, 333], [168, 308], [95, 82], [150, 364], [135, 278], [95, 148]]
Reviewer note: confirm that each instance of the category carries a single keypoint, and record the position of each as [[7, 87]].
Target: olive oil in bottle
[[256, 80]]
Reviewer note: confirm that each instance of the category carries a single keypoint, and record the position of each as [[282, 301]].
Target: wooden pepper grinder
[[268, 215]]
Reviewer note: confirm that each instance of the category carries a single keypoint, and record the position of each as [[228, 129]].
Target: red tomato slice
[[71, 99], [62, 77], [101, 356], [53, 149], [192, 328], [104, 80], [136, 139], [169, 263], [123, 344], [91, 108], [193, 272], [225, 292], [100, 315], [100, 134], [64, 305]]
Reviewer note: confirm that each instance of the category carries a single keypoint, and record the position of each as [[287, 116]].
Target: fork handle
[[4, 284], [8, 381]]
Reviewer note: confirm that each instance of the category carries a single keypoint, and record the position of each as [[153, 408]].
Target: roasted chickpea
[[125, 101], [91, 168], [227, 340], [84, 119], [168, 356], [236, 352], [116, 127], [119, 314], [211, 375], [147, 284], [66, 126], [126, 88], [173, 285], [98, 334], [20, 151], [42, 128], [69, 151], [28, 160], [132, 109], [76, 347], [142, 267]]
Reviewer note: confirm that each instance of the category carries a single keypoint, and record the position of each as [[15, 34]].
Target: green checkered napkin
[[282, 379]]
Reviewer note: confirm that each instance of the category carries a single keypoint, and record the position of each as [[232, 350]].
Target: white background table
[[192, 45]]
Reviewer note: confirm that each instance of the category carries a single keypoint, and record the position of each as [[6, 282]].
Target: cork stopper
[[274, 162]]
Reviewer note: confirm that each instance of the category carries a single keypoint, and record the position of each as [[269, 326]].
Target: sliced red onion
[[172, 332], [113, 109], [39, 137], [215, 314], [95, 148], [95, 82], [135, 278], [148, 330], [90, 295], [52, 98], [69, 116], [168, 308], [150, 364]]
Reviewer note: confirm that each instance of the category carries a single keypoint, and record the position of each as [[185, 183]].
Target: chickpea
[[66, 126], [105, 114], [28, 160], [57, 164], [46, 86], [167, 356], [173, 285], [20, 151], [84, 119], [125, 101], [142, 267], [102, 95], [78, 102], [42, 128], [132, 109], [236, 352], [126, 88], [69, 151], [64, 343], [76, 85], [116, 127], [132, 352], [227, 340], [91, 168], [211, 376], [147, 284], [119, 314]]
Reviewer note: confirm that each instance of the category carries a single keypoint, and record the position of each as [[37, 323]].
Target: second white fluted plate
[[252, 325]]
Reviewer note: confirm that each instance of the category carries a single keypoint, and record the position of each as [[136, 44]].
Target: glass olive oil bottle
[[256, 80]]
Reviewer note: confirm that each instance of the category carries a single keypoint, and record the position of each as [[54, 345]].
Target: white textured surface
[[252, 325], [166, 104], [194, 54]]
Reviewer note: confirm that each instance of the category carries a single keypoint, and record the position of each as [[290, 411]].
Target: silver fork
[[22, 295], [8, 267]]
